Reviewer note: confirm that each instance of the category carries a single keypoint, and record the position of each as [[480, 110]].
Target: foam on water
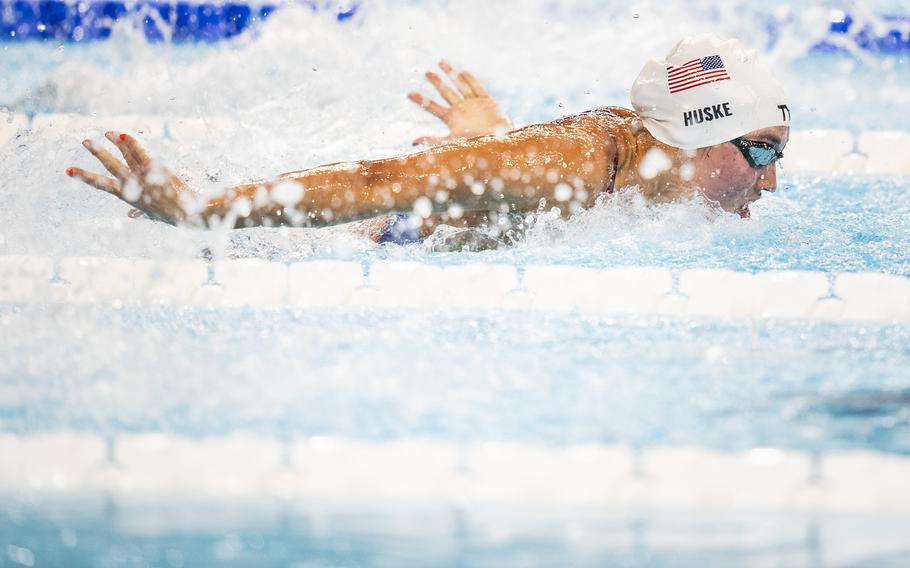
[[811, 223], [303, 72], [304, 90]]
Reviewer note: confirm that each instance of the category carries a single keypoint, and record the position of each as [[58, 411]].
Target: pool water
[[819, 223], [304, 89], [645, 381], [263, 534], [310, 95]]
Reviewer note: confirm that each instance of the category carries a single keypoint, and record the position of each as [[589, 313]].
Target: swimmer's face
[[724, 177]]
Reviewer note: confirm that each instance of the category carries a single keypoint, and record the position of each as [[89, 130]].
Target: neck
[[670, 184]]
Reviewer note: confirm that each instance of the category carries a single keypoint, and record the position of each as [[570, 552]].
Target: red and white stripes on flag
[[695, 73]]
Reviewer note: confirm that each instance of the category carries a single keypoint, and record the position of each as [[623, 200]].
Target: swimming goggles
[[758, 154]]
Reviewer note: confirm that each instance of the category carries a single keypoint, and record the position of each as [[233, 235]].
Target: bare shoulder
[[612, 119], [604, 133], [599, 122], [614, 129]]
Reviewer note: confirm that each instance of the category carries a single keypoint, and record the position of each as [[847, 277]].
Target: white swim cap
[[707, 91]]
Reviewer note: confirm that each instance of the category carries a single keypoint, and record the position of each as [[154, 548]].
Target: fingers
[[135, 156], [428, 105], [131, 160], [456, 78], [475, 85], [137, 150], [447, 92], [117, 168], [97, 181]]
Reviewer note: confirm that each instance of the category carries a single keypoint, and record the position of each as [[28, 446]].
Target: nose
[[767, 178]]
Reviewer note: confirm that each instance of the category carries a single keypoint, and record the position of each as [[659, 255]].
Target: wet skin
[[723, 176], [566, 162]]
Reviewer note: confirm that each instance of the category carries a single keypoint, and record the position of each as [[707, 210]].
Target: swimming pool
[[581, 392]]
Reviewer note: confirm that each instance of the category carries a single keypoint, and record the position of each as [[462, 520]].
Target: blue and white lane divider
[[342, 285], [449, 473], [207, 21]]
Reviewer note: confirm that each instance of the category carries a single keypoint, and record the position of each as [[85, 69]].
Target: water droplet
[[562, 192]]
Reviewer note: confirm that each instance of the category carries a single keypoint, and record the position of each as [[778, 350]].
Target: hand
[[149, 187], [472, 112]]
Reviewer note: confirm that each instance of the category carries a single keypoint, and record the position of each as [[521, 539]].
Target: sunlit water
[[305, 90]]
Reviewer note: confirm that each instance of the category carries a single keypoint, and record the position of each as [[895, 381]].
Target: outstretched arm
[[570, 160]]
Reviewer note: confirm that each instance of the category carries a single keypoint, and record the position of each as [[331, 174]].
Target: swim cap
[[707, 91]]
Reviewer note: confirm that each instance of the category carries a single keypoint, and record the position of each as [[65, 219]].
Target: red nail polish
[[69, 172], [123, 137]]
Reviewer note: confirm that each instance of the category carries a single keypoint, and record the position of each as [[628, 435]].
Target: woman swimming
[[709, 120]]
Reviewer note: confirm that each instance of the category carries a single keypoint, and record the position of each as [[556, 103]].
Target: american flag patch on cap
[[695, 73]]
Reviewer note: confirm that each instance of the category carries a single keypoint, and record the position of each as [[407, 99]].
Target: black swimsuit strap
[[610, 186]]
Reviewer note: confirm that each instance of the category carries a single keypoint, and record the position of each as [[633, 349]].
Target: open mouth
[[744, 212]]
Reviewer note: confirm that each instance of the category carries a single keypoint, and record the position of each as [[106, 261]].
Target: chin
[[742, 208], [738, 209]]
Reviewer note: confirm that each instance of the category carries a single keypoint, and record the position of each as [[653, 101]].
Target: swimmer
[[708, 120]]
